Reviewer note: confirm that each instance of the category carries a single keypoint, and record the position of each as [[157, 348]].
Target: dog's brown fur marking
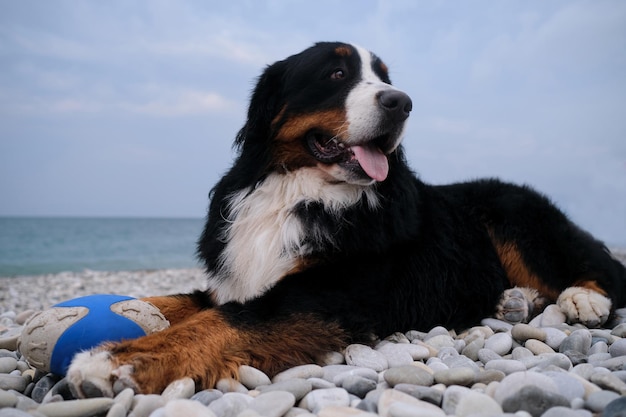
[[175, 308], [518, 272], [591, 285], [207, 348], [289, 152]]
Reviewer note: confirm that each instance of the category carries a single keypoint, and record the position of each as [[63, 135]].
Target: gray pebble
[[554, 359], [461, 362], [182, 388], [567, 385], [598, 358], [320, 383], [187, 408], [435, 365], [451, 398], [561, 411], [273, 403], [521, 353], [576, 357], [616, 408], [511, 384], [440, 341], [416, 352], [117, 410], [619, 330], [488, 376], [314, 401], [362, 372], [207, 396], [408, 375], [7, 365], [144, 405], [76, 408], [609, 381], [7, 399], [534, 400], [455, 376], [231, 385], [331, 371], [42, 387], [394, 403], [252, 377], [13, 382], [428, 394], [331, 358], [437, 331], [496, 325], [358, 385], [365, 356], [618, 348], [597, 401], [476, 403], [298, 387], [230, 404], [472, 348], [598, 347], [578, 341], [584, 370], [554, 337], [125, 398], [552, 316], [302, 371], [486, 355], [396, 355], [12, 412], [506, 366], [414, 335]]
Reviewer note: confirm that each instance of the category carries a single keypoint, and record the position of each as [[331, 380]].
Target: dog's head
[[330, 107]]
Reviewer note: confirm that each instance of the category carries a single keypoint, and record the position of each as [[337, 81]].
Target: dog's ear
[[265, 104]]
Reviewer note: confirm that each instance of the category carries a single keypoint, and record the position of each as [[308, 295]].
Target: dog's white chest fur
[[265, 239]]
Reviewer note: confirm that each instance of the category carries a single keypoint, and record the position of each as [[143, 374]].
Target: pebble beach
[[544, 368]]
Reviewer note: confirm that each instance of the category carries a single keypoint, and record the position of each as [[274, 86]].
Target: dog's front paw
[[584, 305], [517, 305], [95, 373]]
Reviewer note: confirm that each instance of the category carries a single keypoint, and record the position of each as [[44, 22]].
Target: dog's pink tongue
[[372, 160]]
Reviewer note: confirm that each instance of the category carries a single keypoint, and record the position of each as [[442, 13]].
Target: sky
[[129, 108]]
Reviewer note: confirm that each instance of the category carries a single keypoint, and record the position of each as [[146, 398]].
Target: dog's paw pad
[[516, 305], [583, 305], [93, 374]]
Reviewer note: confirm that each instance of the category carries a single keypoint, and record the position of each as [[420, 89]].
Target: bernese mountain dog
[[320, 235]]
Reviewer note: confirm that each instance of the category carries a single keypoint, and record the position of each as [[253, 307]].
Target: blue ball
[[50, 339]]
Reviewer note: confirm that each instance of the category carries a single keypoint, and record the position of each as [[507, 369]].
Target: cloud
[[182, 103], [572, 40]]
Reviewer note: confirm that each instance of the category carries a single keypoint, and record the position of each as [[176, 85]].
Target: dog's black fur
[[403, 255], [425, 257]]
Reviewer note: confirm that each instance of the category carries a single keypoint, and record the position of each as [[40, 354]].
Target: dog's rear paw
[[94, 374], [583, 305], [519, 305]]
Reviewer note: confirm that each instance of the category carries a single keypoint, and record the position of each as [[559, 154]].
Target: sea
[[36, 245]]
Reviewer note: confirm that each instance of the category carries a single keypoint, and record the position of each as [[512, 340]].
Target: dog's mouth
[[367, 158]]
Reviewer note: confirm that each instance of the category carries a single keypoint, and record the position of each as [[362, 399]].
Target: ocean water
[[30, 246]]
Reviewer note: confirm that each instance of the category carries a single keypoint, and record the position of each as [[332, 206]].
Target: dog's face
[[332, 108]]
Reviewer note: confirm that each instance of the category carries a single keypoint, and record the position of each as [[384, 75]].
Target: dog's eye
[[338, 74]]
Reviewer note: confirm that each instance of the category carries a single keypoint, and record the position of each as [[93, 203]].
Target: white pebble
[[187, 408], [252, 377], [499, 343]]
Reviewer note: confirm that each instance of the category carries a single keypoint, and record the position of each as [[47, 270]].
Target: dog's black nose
[[396, 103]]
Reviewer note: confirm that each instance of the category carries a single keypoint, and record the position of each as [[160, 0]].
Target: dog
[[320, 235]]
